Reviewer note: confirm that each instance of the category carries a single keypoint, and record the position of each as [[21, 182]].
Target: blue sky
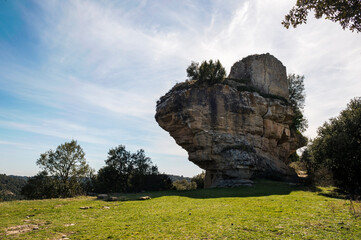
[[93, 70]]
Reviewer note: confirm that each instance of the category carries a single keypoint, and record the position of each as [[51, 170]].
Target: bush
[[68, 167], [129, 172], [10, 187], [108, 181], [184, 185], [41, 186], [199, 180], [208, 72], [150, 182]]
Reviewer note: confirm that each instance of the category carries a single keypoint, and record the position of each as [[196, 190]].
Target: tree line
[[65, 173], [334, 156], [10, 187]]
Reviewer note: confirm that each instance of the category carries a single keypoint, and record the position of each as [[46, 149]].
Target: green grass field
[[269, 210]]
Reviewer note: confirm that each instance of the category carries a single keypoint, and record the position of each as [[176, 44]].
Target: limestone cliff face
[[235, 130]]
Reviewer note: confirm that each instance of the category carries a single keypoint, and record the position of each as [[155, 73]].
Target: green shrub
[[184, 185], [338, 148], [207, 73], [199, 180], [41, 186]]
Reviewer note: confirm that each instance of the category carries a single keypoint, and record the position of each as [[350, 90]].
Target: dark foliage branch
[[346, 12]]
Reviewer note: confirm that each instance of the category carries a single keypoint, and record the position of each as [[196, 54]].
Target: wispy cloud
[[58, 129]]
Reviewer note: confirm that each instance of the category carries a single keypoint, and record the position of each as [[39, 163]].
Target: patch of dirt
[[69, 224], [21, 229]]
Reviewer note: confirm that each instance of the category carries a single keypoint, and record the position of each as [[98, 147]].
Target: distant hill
[[10, 187]]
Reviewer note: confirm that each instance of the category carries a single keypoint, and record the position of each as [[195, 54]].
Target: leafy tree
[[338, 147], [317, 173], [68, 165], [307, 159], [199, 180], [297, 94], [41, 186], [293, 157], [208, 72], [193, 71], [142, 164], [108, 180], [10, 187], [126, 171], [120, 162], [184, 185], [346, 12], [149, 182]]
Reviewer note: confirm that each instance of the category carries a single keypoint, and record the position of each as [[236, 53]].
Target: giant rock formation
[[236, 130]]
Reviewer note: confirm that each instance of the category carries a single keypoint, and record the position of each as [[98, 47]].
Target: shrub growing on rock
[[208, 72]]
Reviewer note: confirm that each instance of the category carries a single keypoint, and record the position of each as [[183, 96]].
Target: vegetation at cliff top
[[269, 210], [209, 73]]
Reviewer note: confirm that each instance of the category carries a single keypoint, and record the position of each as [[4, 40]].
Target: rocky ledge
[[238, 129]]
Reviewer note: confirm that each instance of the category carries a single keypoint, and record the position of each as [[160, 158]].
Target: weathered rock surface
[[233, 133], [265, 73]]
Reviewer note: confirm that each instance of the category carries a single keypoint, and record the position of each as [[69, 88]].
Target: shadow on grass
[[326, 191], [260, 188], [335, 193]]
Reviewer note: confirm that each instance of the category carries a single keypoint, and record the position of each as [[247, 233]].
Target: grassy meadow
[[268, 210]]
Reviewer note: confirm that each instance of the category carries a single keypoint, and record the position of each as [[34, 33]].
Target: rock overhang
[[235, 130]]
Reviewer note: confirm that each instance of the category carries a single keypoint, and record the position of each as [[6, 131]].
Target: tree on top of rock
[[208, 72]]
